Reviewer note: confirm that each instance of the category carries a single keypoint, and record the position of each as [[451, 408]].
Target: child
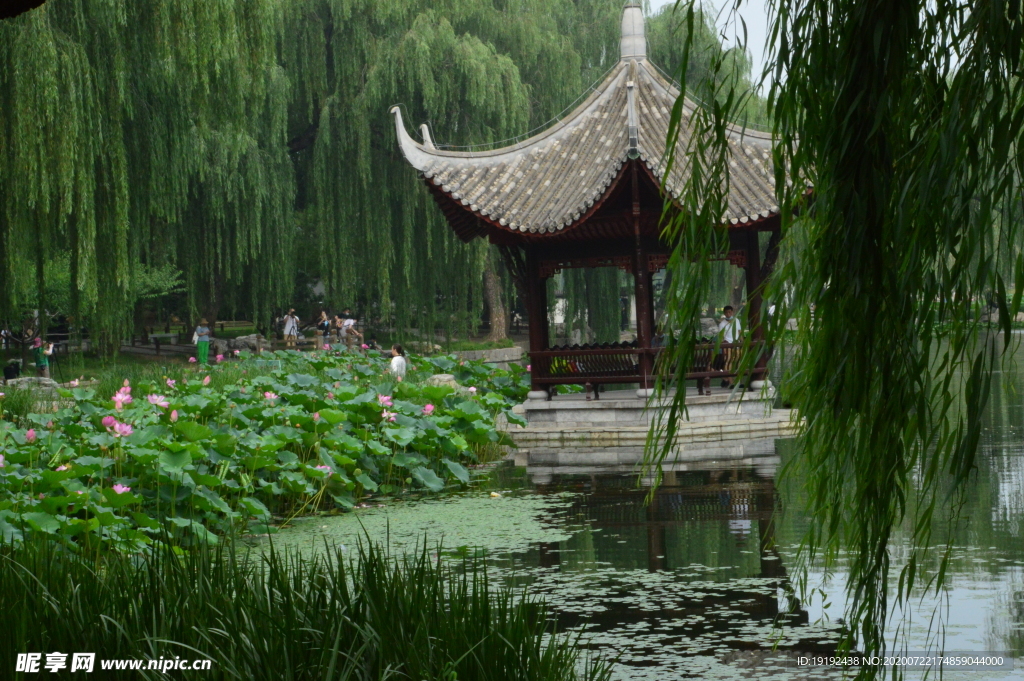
[[398, 363]]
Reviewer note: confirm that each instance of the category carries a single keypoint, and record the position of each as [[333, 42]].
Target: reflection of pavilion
[[712, 530]]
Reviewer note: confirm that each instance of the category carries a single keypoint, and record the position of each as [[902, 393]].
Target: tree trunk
[[495, 303]]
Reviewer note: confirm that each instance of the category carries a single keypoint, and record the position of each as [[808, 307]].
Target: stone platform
[[570, 432]]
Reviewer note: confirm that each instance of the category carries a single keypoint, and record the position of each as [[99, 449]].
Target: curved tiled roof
[[547, 182]]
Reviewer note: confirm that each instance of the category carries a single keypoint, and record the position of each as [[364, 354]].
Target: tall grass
[[280, 616], [17, 403]]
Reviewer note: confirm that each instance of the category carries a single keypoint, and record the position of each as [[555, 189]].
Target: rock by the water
[[423, 347], [34, 383], [708, 327], [443, 380], [224, 346]]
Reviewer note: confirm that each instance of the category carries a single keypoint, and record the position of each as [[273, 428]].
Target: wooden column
[[754, 297], [644, 315], [536, 312], [643, 292]]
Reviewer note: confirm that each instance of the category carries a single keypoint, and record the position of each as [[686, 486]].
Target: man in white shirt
[[729, 330], [729, 327], [291, 328]]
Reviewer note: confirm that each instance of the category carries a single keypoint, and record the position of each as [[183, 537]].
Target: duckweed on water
[[494, 525]]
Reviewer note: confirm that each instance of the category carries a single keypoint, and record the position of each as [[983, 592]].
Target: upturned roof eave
[[412, 149]]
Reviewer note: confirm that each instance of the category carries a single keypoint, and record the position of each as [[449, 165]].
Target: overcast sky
[[755, 15]]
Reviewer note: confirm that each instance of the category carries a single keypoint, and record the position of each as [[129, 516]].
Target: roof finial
[[633, 44]]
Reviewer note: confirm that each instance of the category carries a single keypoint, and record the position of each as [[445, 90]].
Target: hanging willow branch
[[906, 119]]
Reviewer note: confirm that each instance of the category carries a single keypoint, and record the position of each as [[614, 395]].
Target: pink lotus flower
[[206, 380], [121, 489], [472, 391], [158, 400], [63, 467], [171, 382], [108, 421], [385, 400], [529, 367], [387, 415], [122, 397], [30, 435], [192, 360], [327, 346], [316, 416], [330, 396], [127, 384], [122, 429], [219, 358], [74, 383], [269, 395], [78, 491], [2, 464], [428, 409], [42, 496], [237, 353], [174, 415], [365, 346], [49, 425], [1, 395], [326, 469]]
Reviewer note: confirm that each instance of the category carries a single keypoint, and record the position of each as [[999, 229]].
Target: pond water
[[697, 583]]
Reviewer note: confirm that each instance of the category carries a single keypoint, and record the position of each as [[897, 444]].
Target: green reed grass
[[364, 615], [17, 403]]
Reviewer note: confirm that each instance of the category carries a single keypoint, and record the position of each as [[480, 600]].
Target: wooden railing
[[620, 363]]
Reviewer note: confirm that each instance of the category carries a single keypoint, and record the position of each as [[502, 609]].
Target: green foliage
[[711, 69], [138, 140], [208, 453], [361, 615], [905, 118]]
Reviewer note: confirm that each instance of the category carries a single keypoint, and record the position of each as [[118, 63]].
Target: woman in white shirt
[[398, 363]]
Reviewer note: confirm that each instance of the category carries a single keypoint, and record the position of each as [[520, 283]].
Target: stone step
[[583, 436]]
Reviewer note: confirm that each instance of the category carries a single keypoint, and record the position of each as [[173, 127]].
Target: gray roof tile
[[545, 183]]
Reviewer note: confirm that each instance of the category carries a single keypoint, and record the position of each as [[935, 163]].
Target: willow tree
[[898, 129], [480, 71], [134, 135], [244, 142]]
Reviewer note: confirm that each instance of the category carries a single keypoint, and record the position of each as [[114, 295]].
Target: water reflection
[[697, 584], [685, 585]]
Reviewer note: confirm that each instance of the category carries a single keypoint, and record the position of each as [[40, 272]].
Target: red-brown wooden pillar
[[537, 316], [754, 297], [644, 315]]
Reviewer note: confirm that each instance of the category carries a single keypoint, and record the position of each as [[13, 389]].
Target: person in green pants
[[203, 341]]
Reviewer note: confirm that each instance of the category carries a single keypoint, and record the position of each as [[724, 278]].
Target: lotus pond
[[187, 455]]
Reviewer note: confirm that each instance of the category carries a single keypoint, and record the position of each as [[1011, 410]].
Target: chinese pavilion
[[589, 192]]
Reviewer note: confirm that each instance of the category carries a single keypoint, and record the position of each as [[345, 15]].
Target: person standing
[[291, 328], [729, 330], [203, 341], [41, 353], [398, 363]]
